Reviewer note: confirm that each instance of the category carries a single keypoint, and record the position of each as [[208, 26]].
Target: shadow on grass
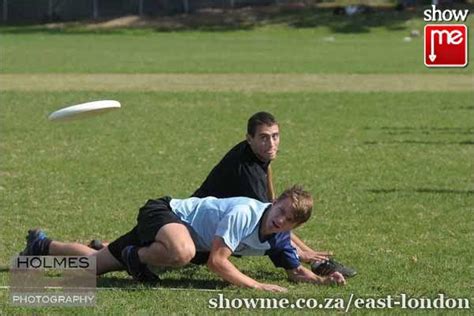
[[419, 142], [268, 276], [181, 283], [247, 18], [127, 283], [422, 190], [187, 277], [424, 130]]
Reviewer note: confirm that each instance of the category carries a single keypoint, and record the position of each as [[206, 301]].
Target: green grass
[[392, 174], [241, 41], [274, 49]]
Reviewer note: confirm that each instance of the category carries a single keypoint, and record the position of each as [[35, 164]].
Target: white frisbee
[[84, 110]]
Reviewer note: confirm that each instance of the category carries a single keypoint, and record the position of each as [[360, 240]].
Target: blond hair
[[301, 203]]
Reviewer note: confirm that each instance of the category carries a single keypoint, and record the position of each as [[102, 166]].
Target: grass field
[[299, 51], [391, 165]]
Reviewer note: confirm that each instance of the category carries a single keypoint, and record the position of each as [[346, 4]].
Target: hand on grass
[[270, 287], [335, 278], [311, 256]]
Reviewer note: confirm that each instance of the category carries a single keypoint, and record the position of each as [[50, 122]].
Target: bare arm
[[270, 190], [297, 241], [220, 264], [301, 274], [307, 254]]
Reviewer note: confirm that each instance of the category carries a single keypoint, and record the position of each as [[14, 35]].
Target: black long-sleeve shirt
[[239, 173]]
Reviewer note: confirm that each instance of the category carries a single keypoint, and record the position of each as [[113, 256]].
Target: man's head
[[263, 135], [291, 209]]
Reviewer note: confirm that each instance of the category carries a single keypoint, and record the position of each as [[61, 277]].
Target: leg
[[106, 262], [159, 239], [39, 245], [97, 244], [122, 254], [57, 248], [173, 247]]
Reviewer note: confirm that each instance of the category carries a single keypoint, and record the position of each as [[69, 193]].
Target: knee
[[183, 254]]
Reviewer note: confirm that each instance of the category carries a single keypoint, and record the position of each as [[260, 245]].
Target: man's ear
[[248, 138]]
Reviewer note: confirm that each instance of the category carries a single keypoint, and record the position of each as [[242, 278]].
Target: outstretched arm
[[301, 274], [307, 254], [220, 264]]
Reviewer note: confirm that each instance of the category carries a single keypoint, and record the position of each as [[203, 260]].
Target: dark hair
[[257, 119]]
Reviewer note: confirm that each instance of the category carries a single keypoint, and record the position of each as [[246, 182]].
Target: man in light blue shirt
[[236, 221], [170, 231]]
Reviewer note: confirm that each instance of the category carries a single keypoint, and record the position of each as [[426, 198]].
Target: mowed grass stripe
[[237, 82]]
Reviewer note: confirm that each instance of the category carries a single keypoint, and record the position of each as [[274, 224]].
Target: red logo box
[[445, 45]]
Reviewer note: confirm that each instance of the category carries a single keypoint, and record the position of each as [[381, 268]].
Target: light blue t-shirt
[[237, 221]]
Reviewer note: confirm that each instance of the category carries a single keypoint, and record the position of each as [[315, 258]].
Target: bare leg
[[106, 262], [173, 247], [57, 248]]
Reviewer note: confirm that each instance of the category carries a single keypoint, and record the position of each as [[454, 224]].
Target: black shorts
[[151, 217]]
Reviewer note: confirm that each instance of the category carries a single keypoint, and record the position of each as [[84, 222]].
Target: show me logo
[[445, 45]]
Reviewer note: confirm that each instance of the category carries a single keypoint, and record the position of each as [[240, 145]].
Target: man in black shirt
[[239, 173], [245, 171]]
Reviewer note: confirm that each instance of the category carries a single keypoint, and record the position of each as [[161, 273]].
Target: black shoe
[[327, 267], [36, 242], [135, 268], [95, 244]]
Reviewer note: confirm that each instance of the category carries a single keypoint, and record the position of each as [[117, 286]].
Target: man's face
[[279, 218], [265, 142]]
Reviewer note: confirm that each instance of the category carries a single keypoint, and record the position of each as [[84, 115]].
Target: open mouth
[[275, 225]]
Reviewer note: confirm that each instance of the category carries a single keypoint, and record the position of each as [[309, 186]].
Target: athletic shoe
[[95, 244], [37, 243], [327, 267], [135, 268]]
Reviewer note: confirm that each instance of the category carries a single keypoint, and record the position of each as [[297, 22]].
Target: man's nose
[[280, 220], [272, 142]]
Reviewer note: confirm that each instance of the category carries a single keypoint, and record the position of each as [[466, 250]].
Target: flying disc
[[84, 110]]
